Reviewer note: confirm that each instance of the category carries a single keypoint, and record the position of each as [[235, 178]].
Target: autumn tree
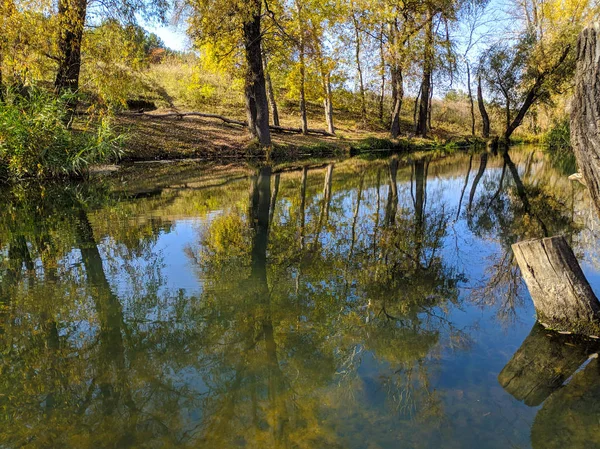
[[539, 63], [71, 23], [238, 25]]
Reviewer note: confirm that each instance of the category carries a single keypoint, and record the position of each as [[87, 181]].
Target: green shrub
[[36, 141], [374, 143], [559, 136]]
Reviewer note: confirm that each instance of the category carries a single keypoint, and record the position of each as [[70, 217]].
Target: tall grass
[[36, 139]]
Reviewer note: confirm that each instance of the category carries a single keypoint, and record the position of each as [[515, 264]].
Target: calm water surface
[[362, 304]]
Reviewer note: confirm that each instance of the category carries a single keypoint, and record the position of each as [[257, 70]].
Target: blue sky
[[173, 36]]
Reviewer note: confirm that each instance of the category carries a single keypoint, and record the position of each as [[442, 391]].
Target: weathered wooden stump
[[561, 294], [543, 363], [585, 110]]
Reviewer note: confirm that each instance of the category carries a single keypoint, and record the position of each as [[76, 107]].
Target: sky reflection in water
[[361, 305]]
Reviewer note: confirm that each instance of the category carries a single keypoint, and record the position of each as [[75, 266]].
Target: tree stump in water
[[561, 294], [585, 110]]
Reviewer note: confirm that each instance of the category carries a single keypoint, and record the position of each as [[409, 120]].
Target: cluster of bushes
[[37, 139], [558, 136]]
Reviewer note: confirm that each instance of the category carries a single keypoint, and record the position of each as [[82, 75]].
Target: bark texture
[[397, 82], [271, 95], [382, 74], [363, 100], [561, 294], [471, 103], [328, 103], [71, 17], [257, 105], [585, 110], [485, 118], [302, 87], [423, 118]]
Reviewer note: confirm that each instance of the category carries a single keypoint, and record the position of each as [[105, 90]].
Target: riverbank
[[171, 138]]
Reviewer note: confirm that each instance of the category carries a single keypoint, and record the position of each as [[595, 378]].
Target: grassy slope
[[192, 137], [210, 139]]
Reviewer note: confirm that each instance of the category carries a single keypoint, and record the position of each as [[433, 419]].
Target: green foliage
[[558, 136], [36, 140], [375, 143]]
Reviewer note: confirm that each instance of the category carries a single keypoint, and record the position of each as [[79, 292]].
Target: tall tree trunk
[[71, 20], [416, 110], [303, 117], [485, 118], [363, 100], [382, 73], [585, 111], [397, 81], [429, 106], [422, 123], [302, 56], [328, 103], [257, 105], [507, 133], [271, 94], [394, 88], [471, 102]]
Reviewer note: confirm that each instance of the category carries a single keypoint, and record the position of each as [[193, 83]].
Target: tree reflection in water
[[320, 306]]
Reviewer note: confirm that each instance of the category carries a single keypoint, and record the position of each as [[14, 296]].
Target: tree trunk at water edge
[[485, 118], [585, 111], [397, 82], [423, 119], [257, 105]]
